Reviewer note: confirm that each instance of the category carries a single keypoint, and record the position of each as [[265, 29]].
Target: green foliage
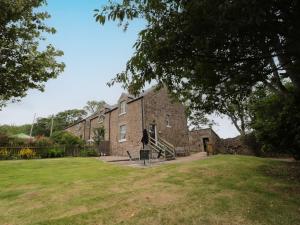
[[4, 139], [60, 121], [94, 106], [99, 134], [209, 46], [19, 142], [27, 153], [89, 153], [276, 124], [67, 139], [23, 65], [12, 129], [41, 141], [4, 154], [212, 54], [53, 153]]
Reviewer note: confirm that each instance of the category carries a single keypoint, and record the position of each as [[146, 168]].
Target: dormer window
[[122, 107]]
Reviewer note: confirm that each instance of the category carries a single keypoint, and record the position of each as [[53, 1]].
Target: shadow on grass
[[282, 170]]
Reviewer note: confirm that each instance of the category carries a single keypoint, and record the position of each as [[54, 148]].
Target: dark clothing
[[145, 138]]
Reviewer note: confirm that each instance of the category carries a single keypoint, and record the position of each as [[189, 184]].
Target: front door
[[152, 131]]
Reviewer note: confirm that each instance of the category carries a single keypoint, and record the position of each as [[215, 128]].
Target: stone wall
[[196, 140], [236, 146], [133, 121], [153, 107], [78, 129], [158, 108]]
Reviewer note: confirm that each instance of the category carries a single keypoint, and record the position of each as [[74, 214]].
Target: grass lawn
[[219, 190]]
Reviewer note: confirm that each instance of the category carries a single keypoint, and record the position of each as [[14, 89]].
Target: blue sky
[[93, 54]]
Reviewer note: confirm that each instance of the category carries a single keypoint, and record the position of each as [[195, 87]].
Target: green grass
[[219, 190]]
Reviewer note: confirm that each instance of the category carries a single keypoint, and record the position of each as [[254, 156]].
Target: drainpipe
[[142, 106]]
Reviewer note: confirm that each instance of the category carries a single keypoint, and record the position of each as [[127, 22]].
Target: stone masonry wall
[[77, 129], [157, 107], [133, 121], [196, 140]]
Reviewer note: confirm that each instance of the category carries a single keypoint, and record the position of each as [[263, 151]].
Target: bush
[[66, 138], [18, 142], [53, 153], [4, 139], [42, 141], [89, 153], [4, 154], [276, 124], [26, 153]]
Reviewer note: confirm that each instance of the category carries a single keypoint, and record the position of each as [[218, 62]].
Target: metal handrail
[[162, 146]]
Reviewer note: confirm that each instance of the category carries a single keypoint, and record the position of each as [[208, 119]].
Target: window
[[122, 107], [122, 133], [168, 121]]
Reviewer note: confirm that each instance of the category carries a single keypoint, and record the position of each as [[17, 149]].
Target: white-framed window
[[122, 133], [168, 120], [122, 107]]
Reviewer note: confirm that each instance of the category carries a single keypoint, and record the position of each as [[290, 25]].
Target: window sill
[[122, 113], [168, 126], [123, 140]]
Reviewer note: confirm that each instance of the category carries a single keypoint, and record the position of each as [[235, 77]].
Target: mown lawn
[[219, 190]]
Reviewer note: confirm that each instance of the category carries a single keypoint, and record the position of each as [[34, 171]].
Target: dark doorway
[[152, 131], [205, 143]]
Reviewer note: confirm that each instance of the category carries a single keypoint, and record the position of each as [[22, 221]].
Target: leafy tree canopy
[[23, 65], [207, 51], [276, 122], [93, 106]]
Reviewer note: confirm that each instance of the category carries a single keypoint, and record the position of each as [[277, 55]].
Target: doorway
[[205, 143], [152, 132]]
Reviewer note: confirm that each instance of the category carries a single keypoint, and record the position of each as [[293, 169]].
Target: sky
[[93, 54]]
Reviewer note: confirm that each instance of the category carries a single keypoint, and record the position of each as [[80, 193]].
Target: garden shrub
[[53, 153], [18, 142], [4, 154], [276, 124], [66, 138], [27, 153], [42, 141], [89, 153], [4, 139]]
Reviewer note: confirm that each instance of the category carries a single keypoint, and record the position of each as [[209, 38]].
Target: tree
[[276, 123], [209, 51], [93, 106], [67, 139], [23, 65], [98, 134], [60, 121], [69, 117]]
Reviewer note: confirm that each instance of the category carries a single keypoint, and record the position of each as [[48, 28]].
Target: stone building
[[124, 122], [203, 139]]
